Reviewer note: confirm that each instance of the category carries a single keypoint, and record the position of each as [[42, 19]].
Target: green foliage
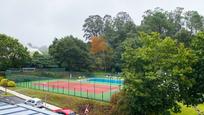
[[156, 74], [118, 105], [93, 26], [194, 21], [12, 53], [195, 93], [156, 21], [11, 84], [1, 77], [183, 36], [177, 24], [42, 60], [115, 30], [71, 53], [4, 82]]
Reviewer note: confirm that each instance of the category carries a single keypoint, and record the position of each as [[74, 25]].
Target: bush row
[[6, 83]]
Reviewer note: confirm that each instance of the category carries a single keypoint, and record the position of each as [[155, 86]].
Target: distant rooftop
[[22, 109]]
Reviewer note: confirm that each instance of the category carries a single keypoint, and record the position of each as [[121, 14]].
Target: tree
[[195, 93], [98, 45], [71, 53], [42, 60], [183, 36], [194, 21], [12, 53], [108, 28], [156, 74], [101, 51], [176, 24], [93, 26], [124, 28], [114, 30], [176, 20], [157, 21]]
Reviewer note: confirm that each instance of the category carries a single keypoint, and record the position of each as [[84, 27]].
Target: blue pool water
[[106, 80]]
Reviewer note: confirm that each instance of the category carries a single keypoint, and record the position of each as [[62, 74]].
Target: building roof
[[22, 109]]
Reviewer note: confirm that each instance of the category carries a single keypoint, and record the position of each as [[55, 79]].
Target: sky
[[40, 21]]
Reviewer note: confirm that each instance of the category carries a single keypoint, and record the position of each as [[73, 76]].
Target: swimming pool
[[106, 80]]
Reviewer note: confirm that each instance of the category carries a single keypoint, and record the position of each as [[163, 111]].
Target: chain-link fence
[[80, 84]]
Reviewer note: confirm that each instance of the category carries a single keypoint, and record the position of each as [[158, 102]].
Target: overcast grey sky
[[40, 21]]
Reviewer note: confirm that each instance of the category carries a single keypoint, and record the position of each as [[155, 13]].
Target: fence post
[[68, 85], [110, 87], [43, 87], [57, 86], [80, 89], [80, 92], [74, 91], [102, 95], [39, 85], [94, 91], [68, 91], [48, 87], [119, 87], [87, 93]]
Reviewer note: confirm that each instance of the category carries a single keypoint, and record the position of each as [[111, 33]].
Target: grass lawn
[[100, 74], [189, 110], [64, 101]]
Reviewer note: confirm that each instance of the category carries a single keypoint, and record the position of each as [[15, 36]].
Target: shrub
[[4, 82], [11, 84], [94, 107], [1, 77], [119, 104]]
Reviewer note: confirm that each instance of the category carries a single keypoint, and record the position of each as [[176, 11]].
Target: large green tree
[[177, 23], [42, 60], [93, 26], [156, 72], [115, 30], [124, 28], [12, 53], [195, 94], [156, 21], [71, 53], [194, 21]]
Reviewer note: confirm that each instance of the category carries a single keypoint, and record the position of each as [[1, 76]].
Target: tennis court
[[94, 88]]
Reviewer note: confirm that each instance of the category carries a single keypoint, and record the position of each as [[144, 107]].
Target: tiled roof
[[22, 109]]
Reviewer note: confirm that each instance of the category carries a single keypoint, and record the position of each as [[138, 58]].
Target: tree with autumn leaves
[[101, 52]]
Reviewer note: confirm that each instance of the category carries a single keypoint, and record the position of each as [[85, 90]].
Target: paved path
[[49, 106]]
